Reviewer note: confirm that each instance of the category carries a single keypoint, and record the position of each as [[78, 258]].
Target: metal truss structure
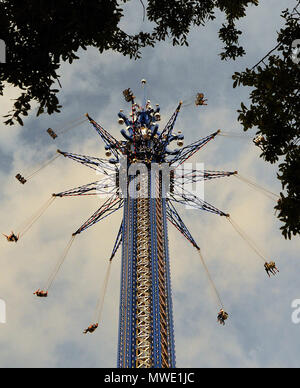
[[146, 332]]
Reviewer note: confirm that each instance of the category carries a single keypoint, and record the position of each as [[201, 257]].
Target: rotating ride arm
[[186, 198], [118, 242], [105, 186], [192, 176], [110, 206], [166, 135], [188, 151], [98, 164], [170, 126], [175, 219], [113, 144]]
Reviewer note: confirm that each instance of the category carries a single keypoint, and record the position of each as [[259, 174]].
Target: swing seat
[[91, 329], [52, 133], [21, 179]]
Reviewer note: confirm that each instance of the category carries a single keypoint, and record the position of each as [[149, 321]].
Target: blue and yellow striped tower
[[146, 337]]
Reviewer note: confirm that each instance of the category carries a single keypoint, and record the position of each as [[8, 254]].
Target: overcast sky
[[48, 333]]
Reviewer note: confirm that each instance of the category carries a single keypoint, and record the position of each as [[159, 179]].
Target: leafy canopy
[[40, 35], [275, 112]]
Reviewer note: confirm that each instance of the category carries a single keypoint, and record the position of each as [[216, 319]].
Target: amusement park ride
[[138, 186]]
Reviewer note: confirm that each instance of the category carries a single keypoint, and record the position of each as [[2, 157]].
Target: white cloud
[[48, 333]]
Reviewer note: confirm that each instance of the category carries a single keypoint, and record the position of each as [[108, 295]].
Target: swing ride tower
[[146, 177], [146, 333], [146, 336]]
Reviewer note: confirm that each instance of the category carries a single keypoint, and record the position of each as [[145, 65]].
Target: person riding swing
[[271, 268], [91, 328], [222, 317], [41, 294], [12, 237], [200, 100]]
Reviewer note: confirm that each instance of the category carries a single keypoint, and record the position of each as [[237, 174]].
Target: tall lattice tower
[[146, 336], [143, 175]]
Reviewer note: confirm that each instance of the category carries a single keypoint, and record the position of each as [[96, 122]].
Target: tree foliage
[[40, 35], [275, 112]]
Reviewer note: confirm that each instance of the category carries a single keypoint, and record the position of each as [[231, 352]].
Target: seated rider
[[21, 179], [200, 99], [91, 328], [12, 237], [271, 268], [267, 269], [222, 317], [41, 293], [259, 141]]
